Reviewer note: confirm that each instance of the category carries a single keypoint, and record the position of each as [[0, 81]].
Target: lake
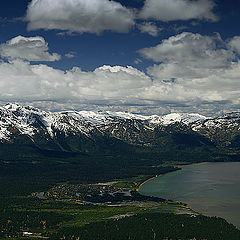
[[210, 188]]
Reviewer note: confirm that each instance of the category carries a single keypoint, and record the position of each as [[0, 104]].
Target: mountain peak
[[12, 106]]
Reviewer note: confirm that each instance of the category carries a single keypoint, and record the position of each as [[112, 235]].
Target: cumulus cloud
[[172, 10], [192, 67], [149, 28], [42, 82], [192, 50], [222, 85], [31, 49], [93, 16]]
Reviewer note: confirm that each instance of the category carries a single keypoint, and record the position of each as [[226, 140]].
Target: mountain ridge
[[173, 136], [24, 118]]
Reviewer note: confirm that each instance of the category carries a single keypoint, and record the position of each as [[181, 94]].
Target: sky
[[141, 56]]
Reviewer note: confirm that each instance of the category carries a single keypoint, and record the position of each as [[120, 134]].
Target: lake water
[[210, 188]]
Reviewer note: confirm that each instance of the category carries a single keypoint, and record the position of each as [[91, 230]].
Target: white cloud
[[93, 16], [21, 80], [172, 10], [31, 49], [70, 55], [119, 85], [150, 28], [235, 44], [192, 67], [191, 50], [220, 85]]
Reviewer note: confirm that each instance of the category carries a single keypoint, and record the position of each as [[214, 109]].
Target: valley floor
[[112, 211]]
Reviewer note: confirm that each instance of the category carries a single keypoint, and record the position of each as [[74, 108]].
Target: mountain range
[[43, 148], [56, 128]]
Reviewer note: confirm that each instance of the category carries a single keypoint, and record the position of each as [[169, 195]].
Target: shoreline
[[178, 167], [183, 165], [139, 187], [156, 176]]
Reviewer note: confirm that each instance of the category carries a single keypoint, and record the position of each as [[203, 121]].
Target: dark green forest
[[154, 226]]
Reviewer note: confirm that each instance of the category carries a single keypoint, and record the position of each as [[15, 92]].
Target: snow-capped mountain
[[177, 118], [84, 131], [27, 132], [16, 119]]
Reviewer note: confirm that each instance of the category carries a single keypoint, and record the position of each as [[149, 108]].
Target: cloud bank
[[92, 16], [42, 82], [31, 49], [190, 71]]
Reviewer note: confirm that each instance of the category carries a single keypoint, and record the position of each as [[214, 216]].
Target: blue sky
[[145, 56]]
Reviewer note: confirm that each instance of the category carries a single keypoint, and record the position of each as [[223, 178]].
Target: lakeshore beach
[[139, 187]]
